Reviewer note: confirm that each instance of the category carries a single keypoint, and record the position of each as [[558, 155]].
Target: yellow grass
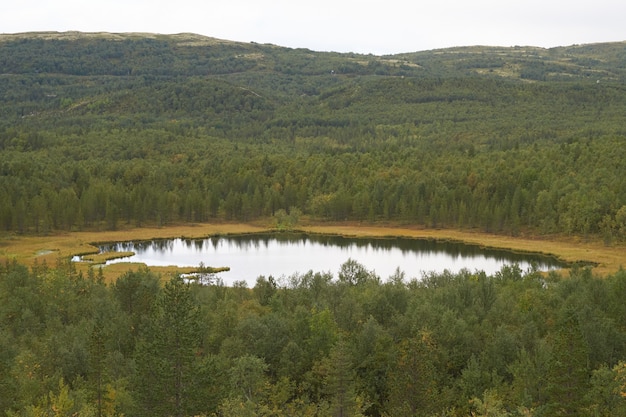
[[30, 249], [100, 258]]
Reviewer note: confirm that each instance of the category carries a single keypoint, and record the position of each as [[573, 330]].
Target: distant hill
[[76, 53], [602, 61], [503, 139]]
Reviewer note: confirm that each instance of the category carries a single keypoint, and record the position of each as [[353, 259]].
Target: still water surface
[[282, 255]]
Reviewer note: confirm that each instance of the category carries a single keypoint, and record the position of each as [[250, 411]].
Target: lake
[[284, 254]]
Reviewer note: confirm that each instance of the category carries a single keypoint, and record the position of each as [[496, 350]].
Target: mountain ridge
[[73, 34], [607, 59]]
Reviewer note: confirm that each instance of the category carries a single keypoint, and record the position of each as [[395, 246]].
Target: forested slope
[[103, 130]]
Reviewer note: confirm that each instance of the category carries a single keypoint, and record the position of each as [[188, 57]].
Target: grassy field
[[38, 249]]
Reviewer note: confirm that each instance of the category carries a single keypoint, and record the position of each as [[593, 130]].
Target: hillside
[[101, 130]]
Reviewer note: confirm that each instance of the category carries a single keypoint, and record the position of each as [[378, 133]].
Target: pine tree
[[167, 355], [340, 383], [568, 373], [97, 353]]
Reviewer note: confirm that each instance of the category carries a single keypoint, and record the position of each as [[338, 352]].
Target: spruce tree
[[167, 356]]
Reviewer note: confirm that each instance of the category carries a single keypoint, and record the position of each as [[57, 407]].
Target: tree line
[[111, 179]]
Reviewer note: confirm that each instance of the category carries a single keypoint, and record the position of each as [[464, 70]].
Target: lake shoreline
[[30, 250]]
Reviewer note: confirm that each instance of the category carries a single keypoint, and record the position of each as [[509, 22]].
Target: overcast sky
[[364, 26]]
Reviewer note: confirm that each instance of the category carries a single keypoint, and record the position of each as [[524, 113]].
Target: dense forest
[[513, 344], [106, 130]]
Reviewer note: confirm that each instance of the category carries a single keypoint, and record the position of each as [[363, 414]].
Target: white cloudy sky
[[364, 26]]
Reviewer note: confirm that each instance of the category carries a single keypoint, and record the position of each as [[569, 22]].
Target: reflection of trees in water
[[198, 244], [163, 245], [425, 247], [406, 245]]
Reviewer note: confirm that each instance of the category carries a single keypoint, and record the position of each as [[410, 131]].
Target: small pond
[[284, 254]]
